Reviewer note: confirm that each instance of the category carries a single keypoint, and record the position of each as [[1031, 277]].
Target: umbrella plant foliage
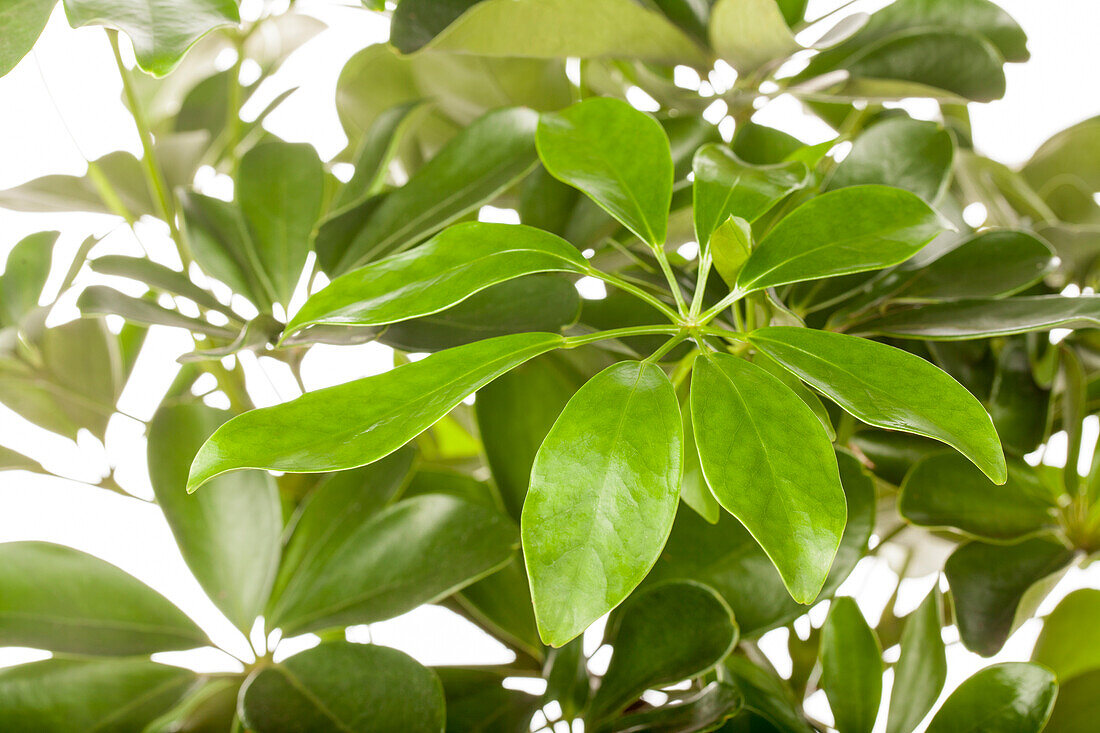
[[805, 355]]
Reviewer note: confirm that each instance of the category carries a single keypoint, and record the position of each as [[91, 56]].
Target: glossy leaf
[[729, 247], [618, 156], [1014, 697], [357, 423], [889, 388], [161, 30], [750, 33], [706, 709], [726, 186], [63, 695], [666, 633], [848, 230], [604, 490], [455, 264], [779, 479], [694, 490], [417, 551], [360, 688], [57, 598], [900, 152], [982, 318], [944, 490], [1069, 643], [851, 667], [921, 669], [989, 583], [25, 273], [230, 534]]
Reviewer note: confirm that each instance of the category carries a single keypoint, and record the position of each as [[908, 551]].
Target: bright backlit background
[[61, 106]]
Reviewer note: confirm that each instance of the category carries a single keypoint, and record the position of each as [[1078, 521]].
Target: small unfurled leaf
[[848, 230], [664, 634], [618, 156], [1014, 697], [900, 152], [990, 584], [25, 273], [729, 247], [57, 598], [750, 33], [851, 667], [161, 30], [340, 686], [1069, 643], [455, 264], [604, 490], [357, 423], [921, 669], [779, 478], [889, 388], [944, 490]]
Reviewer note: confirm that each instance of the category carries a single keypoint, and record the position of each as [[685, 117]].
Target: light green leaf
[[455, 264], [889, 388], [729, 247], [848, 230], [230, 534], [338, 686], [1069, 643], [103, 300], [357, 423], [1074, 152], [280, 190], [694, 490], [726, 186], [161, 30], [750, 33], [158, 276], [375, 153], [25, 273], [417, 551], [662, 635], [944, 490], [705, 710], [851, 667], [119, 170], [23, 21], [921, 669], [604, 490], [989, 584], [901, 152], [1015, 697], [66, 695], [57, 598], [618, 156], [209, 705], [779, 479]]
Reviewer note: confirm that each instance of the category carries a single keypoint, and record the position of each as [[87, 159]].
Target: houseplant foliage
[[845, 367]]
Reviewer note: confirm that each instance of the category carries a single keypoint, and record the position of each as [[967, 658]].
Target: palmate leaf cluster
[[806, 354]]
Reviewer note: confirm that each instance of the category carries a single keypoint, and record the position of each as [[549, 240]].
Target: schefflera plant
[[607, 480]]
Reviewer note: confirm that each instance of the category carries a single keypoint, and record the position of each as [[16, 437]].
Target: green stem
[[673, 285], [572, 342], [700, 283], [724, 333], [668, 346], [636, 292], [709, 314]]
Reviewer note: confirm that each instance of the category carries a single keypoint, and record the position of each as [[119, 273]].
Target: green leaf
[[1018, 405], [477, 701], [417, 22], [616, 155], [901, 152], [982, 318], [102, 300], [761, 145], [120, 170], [455, 264], [23, 23], [64, 695], [357, 423], [729, 247], [359, 688], [1074, 151], [222, 246], [1015, 697], [694, 490], [779, 479], [480, 162], [161, 30], [209, 706], [727, 186], [944, 490], [705, 710], [280, 190], [230, 534], [921, 669], [750, 33], [889, 388], [1077, 706], [767, 695], [604, 489], [851, 667], [664, 634], [158, 276], [417, 551], [583, 28], [849, 230], [502, 602], [375, 153], [25, 274], [57, 598], [1069, 643], [990, 584]]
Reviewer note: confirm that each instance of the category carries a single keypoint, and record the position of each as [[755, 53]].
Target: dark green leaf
[[1017, 404], [376, 151], [417, 22], [502, 601], [25, 274], [851, 667], [604, 490], [921, 669], [23, 23], [705, 710], [1069, 643], [981, 318], [358, 688], [209, 708], [222, 246], [778, 478], [767, 695], [1014, 697], [477, 702], [889, 388], [1078, 705], [901, 152], [357, 423], [618, 156]]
